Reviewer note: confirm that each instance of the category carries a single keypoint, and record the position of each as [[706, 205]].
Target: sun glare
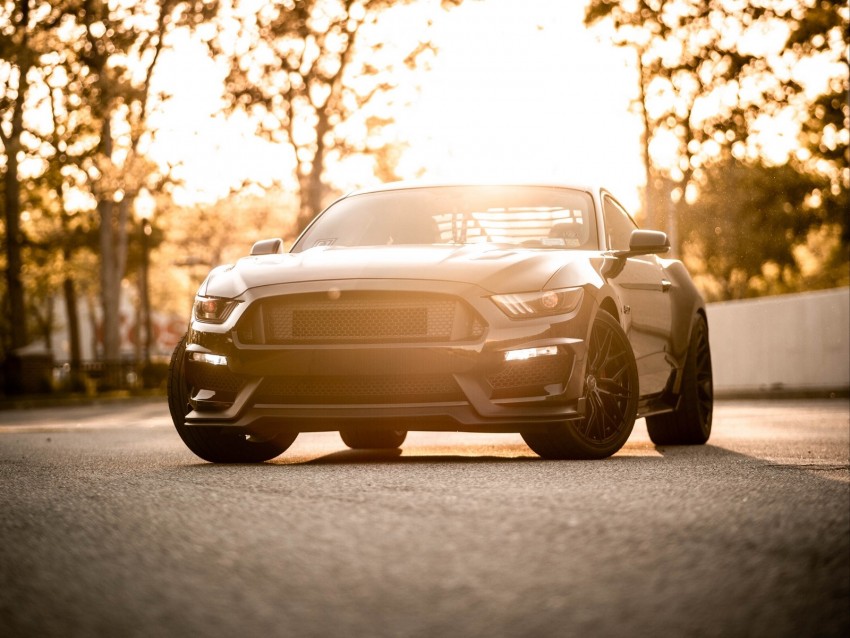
[[526, 95]]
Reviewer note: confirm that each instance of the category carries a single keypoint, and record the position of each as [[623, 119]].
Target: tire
[[690, 422], [211, 444], [373, 439], [611, 398]]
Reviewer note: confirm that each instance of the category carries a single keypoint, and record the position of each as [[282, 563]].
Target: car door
[[646, 305]]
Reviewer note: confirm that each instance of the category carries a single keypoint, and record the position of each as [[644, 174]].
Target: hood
[[493, 268]]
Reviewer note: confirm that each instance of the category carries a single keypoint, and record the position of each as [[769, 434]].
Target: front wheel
[[211, 444], [690, 422], [610, 398]]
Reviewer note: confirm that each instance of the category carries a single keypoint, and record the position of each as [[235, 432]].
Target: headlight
[[524, 305], [212, 309]]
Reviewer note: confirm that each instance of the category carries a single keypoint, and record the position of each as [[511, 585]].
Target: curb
[[34, 402]]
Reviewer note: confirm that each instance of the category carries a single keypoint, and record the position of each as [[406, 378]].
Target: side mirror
[[645, 242], [267, 247]]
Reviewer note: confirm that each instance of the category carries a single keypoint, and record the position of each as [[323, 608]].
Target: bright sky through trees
[[518, 90]]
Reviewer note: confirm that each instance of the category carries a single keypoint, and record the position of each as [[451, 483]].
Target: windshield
[[529, 216]]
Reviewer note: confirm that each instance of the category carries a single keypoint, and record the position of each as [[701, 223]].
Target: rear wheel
[[690, 422], [373, 439], [211, 444], [611, 397]]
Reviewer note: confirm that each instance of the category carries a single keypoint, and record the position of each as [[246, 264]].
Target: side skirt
[[662, 402]]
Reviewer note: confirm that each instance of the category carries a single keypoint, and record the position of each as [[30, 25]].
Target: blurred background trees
[[75, 96], [720, 83], [303, 70], [724, 90], [76, 81]]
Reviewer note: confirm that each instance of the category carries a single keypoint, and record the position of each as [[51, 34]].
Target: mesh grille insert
[[216, 378], [534, 372], [360, 317], [360, 322]]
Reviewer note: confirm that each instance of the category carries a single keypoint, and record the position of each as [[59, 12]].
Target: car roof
[[411, 184]]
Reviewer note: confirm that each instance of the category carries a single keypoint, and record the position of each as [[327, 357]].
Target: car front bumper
[[464, 385]]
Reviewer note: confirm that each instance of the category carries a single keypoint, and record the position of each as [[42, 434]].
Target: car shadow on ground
[[400, 456], [634, 456], [632, 452]]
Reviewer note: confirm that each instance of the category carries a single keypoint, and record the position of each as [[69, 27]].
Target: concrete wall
[[792, 343]]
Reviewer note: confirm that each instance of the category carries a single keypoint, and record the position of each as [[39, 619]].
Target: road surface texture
[[110, 527]]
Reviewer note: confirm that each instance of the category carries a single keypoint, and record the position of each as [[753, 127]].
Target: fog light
[[530, 353], [212, 359]]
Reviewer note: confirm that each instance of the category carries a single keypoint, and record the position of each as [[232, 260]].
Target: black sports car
[[538, 309]]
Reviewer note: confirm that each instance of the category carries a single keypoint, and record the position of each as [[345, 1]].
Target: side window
[[618, 225]]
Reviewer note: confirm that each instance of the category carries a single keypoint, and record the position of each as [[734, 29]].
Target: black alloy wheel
[[610, 398], [373, 439], [213, 444], [690, 422]]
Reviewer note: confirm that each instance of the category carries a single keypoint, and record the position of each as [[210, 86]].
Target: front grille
[[335, 390], [359, 317], [361, 322]]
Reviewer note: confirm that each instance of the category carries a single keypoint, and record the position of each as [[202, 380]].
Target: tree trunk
[[75, 353], [47, 323], [652, 217], [14, 263], [12, 209], [311, 185], [110, 284], [110, 278]]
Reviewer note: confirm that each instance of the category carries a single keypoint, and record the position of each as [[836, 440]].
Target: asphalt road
[[110, 527]]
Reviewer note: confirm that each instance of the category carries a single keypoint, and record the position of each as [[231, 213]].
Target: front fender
[[687, 304]]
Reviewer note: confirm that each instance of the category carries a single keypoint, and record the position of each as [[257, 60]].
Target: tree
[[710, 84], [117, 56], [304, 70], [702, 89], [68, 142], [201, 236], [20, 48], [739, 233], [116, 47], [75, 98], [40, 130], [825, 133]]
